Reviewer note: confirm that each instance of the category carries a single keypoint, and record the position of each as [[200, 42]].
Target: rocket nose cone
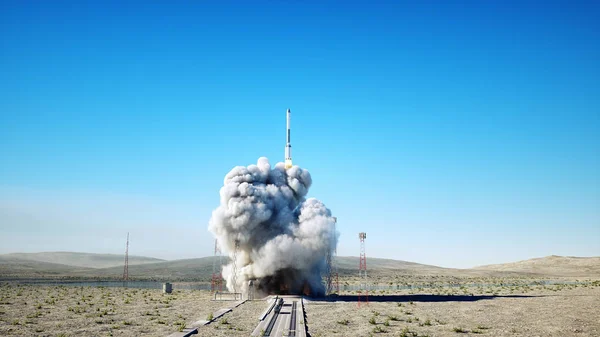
[[288, 111]]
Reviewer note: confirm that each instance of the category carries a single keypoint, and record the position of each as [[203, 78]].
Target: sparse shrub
[[344, 322], [379, 329], [407, 333], [427, 322], [35, 314], [210, 317], [372, 320], [459, 330], [387, 322]]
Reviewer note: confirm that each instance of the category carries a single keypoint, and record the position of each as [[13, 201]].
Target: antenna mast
[[217, 280], [362, 271], [126, 267]]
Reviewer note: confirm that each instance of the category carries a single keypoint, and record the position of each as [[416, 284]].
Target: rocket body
[[288, 145]]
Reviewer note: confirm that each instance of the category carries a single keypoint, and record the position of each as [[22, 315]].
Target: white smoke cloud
[[283, 237]]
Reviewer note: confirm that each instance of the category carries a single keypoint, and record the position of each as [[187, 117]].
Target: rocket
[[288, 145]]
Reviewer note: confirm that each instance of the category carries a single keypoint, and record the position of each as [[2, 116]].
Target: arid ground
[[405, 299], [447, 309], [555, 310]]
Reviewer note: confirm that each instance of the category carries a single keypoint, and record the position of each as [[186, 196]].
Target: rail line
[[282, 319], [293, 319]]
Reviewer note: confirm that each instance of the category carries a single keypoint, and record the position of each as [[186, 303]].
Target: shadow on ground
[[417, 298]]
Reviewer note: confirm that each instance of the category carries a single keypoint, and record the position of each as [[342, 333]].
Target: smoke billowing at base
[[283, 237]]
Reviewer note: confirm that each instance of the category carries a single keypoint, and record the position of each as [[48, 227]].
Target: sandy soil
[[240, 322], [443, 308], [74, 311], [528, 311]]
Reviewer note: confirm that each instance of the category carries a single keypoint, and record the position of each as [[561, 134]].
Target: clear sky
[[453, 134]]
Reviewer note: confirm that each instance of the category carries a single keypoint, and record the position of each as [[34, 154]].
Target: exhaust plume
[[283, 237]]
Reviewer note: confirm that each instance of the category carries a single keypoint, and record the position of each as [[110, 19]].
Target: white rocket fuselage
[[288, 145]]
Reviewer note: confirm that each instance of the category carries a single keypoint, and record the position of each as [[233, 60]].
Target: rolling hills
[[552, 265], [69, 265], [85, 260]]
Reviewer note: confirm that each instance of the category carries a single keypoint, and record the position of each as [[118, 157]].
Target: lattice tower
[[363, 294], [126, 266], [234, 278], [216, 283]]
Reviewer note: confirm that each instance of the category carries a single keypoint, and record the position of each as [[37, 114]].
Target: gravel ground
[[508, 310], [27, 310], [240, 322], [541, 311]]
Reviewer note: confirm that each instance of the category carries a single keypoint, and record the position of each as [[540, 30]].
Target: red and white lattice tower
[[363, 293], [216, 283]]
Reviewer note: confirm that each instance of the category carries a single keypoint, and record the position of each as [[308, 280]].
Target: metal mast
[[216, 283], [126, 267], [328, 274], [331, 280], [362, 271], [234, 278], [335, 264]]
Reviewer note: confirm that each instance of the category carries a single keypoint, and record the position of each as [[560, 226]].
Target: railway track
[[285, 317]]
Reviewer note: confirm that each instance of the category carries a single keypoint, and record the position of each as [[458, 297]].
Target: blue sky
[[453, 134]]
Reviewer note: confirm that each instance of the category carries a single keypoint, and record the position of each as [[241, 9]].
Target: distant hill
[[85, 260], [349, 264], [88, 266], [12, 267], [199, 269], [568, 266]]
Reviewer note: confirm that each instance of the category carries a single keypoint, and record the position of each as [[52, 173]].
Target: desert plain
[[553, 296]]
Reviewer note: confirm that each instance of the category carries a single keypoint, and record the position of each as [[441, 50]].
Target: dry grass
[[558, 310], [74, 311], [440, 307], [240, 322]]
